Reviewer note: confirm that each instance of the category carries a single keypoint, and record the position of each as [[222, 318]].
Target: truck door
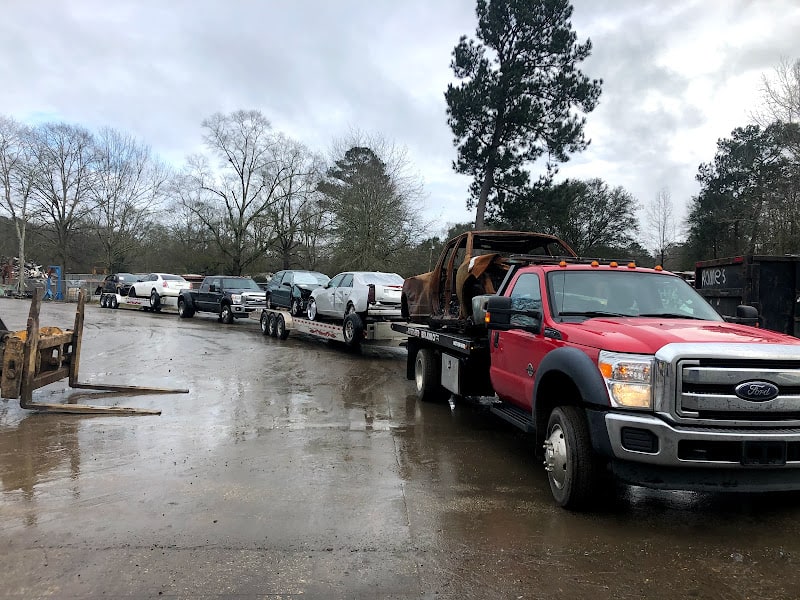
[[516, 354], [207, 297]]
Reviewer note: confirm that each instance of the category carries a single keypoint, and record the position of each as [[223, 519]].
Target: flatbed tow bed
[[353, 332], [443, 362]]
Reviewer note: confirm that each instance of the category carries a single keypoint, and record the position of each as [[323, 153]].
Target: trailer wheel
[[184, 312], [574, 471], [280, 328], [264, 321], [113, 302], [226, 314], [426, 377], [353, 330], [155, 300], [272, 325], [102, 301]]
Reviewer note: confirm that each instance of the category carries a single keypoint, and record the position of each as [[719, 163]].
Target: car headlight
[[629, 379], [236, 298]]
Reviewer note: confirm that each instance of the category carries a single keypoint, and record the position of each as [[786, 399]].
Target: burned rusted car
[[471, 264]]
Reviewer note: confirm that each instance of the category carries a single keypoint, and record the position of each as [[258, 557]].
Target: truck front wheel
[[573, 469], [426, 377], [226, 314]]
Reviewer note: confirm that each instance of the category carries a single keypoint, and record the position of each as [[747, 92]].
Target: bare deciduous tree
[[660, 227], [127, 187], [232, 198], [16, 179], [781, 95], [64, 157], [297, 207]]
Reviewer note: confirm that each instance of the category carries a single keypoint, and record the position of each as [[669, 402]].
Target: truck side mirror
[[212, 288], [747, 315], [501, 315]]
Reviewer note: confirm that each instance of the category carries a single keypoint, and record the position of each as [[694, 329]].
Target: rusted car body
[[471, 264]]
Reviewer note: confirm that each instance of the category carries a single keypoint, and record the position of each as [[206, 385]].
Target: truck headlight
[[629, 379], [236, 298]]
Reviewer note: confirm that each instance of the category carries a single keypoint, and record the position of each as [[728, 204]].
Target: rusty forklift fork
[[40, 356]]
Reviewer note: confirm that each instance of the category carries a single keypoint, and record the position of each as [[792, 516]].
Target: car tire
[[311, 310], [226, 314], [297, 307], [155, 300], [574, 471], [268, 301], [184, 311], [426, 377], [131, 292], [280, 328], [353, 330]]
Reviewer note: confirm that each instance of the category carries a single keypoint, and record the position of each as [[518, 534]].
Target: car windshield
[[584, 293], [240, 284], [310, 278], [382, 278]]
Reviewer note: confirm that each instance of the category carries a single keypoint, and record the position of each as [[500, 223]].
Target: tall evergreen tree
[[519, 95], [371, 217]]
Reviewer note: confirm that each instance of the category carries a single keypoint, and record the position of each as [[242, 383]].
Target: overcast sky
[[678, 75]]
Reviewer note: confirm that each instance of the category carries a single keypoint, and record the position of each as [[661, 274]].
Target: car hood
[[306, 288], [647, 335]]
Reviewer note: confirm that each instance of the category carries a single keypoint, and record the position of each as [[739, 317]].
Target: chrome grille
[[706, 392]]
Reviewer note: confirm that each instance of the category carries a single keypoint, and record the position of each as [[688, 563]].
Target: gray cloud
[[317, 69]]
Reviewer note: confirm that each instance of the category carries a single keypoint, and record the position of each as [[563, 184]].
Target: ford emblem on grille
[[757, 391]]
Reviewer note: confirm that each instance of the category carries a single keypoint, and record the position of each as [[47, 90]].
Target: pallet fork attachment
[[40, 356]]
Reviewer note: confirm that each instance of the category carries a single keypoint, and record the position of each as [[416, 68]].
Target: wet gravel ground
[[296, 469]]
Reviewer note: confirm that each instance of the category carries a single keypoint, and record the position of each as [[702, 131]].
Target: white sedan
[[370, 294], [158, 285]]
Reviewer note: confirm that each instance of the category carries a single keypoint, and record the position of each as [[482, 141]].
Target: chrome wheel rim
[[555, 456]]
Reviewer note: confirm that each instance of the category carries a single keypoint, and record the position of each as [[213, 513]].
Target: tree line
[[254, 201]]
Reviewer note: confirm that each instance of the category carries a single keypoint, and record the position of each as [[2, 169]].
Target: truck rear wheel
[[184, 311], [573, 469], [426, 377]]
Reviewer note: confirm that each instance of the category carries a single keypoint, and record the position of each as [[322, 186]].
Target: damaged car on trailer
[[471, 264]]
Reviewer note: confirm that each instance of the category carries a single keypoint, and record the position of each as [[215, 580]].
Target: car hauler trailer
[[153, 303], [771, 284], [352, 332]]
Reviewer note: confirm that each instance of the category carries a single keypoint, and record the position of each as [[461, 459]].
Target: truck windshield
[[603, 292], [235, 283]]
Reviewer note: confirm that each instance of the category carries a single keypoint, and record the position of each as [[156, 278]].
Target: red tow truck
[[621, 372]]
